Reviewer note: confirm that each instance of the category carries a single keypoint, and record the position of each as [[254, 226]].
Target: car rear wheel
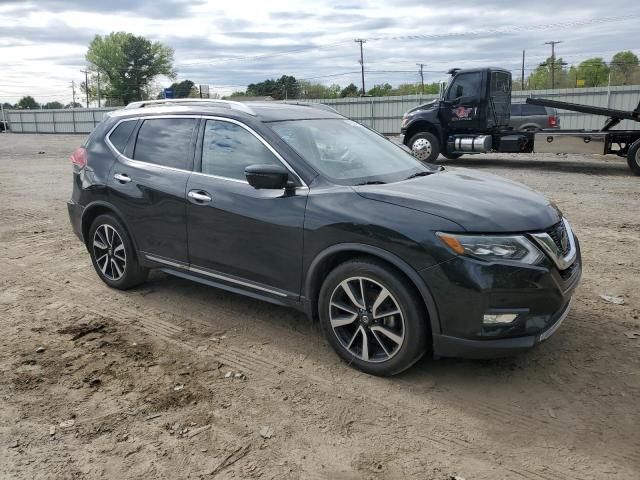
[[425, 147], [372, 317], [113, 255], [633, 157]]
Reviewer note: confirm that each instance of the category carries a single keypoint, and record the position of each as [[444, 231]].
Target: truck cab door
[[462, 105]]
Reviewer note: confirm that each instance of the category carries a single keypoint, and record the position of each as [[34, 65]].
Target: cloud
[[156, 9], [242, 42]]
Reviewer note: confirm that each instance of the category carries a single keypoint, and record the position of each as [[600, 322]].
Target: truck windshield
[[347, 153]]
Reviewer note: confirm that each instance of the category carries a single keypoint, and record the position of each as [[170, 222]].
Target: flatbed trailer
[[472, 116], [624, 143]]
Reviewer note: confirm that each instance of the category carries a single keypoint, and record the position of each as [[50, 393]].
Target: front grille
[[560, 237]]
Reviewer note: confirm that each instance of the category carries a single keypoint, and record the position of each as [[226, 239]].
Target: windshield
[[347, 153]]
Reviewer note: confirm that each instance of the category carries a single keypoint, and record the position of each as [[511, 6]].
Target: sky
[[233, 43]]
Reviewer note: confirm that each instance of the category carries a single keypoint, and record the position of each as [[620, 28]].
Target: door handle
[[199, 196], [122, 177]]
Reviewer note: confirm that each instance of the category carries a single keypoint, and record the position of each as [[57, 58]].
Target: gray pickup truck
[[533, 118]]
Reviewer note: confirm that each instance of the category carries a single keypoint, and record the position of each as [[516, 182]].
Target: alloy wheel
[[421, 149], [109, 252], [638, 157], [367, 319]]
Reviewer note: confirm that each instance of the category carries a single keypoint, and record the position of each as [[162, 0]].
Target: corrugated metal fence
[[76, 120], [380, 113]]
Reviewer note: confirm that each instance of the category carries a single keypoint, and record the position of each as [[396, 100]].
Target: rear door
[[238, 234], [148, 184]]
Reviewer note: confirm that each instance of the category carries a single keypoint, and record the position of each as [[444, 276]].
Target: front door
[[243, 236], [462, 102], [148, 184]]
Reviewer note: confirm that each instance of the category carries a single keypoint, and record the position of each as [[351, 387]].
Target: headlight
[[492, 248]]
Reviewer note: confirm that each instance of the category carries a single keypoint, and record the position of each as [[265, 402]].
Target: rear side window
[[228, 148], [516, 109], [120, 136], [533, 110], [166, 142]]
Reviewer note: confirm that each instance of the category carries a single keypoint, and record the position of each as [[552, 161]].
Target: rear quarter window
[[121, 134], [528, 110]]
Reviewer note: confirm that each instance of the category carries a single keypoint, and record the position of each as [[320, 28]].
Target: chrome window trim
[[126, 159], [544, 241], [207, 273]]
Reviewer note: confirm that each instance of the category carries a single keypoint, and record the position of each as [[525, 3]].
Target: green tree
[[7, 105], [349, 91], [540, 78], [380, 90], [183, 89], [27, 102], [623, 66], [285, 87], [594, 72], [128, 64], [52, 105], [74, 105]]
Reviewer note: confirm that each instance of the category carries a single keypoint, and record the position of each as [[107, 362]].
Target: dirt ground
[[98, 383]]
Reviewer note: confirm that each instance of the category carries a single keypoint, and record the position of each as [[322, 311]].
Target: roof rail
[[192, 101]]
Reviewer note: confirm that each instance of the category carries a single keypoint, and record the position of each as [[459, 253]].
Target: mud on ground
[[97, 383]]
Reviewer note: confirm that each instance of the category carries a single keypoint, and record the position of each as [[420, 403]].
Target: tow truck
[[472, 116]]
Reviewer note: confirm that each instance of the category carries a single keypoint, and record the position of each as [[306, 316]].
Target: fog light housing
[[499, 318]]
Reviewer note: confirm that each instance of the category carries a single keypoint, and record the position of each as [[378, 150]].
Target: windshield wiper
[[372, 182]]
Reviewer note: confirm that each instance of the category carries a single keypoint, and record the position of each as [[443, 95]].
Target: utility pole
[[421, 65], [98, 89], [86, 84], [522, 77], [361, 41], [553, 44], [73, 89]]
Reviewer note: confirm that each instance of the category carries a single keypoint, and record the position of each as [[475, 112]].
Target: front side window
[[229, 148], [465, 85], [166, 142], [347, 153]]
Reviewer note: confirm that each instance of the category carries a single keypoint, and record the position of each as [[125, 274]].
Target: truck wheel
[[425, 146], [633, 157]]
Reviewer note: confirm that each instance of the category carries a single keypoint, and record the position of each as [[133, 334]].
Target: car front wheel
[[372, 317]]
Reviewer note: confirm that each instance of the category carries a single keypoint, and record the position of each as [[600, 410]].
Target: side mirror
[[273, 177]]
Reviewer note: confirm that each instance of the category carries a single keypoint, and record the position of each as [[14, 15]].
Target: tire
[[395, 340], [452, 156], [425, 146], [633, 157], [113, 255]]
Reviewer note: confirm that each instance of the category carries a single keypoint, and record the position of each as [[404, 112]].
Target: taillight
[[553, 121], [79, 157]]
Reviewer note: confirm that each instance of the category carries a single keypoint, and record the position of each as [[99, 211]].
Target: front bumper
[[465, 290], [445, 346]]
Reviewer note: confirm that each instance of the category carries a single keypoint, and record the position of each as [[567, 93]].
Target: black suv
[[300, 206]]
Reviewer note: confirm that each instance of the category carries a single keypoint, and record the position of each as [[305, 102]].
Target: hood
[[425, 106], [478, 202]]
